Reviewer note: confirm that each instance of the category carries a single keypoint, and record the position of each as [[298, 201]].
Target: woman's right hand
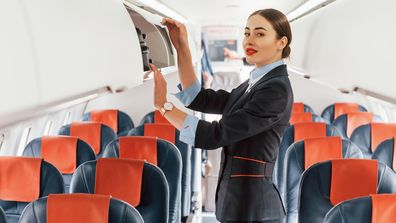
[[177, 33]]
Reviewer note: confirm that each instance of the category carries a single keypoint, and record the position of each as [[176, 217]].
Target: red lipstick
[[250, 51]]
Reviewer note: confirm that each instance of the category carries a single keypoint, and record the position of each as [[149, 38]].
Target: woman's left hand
[[159, 88]]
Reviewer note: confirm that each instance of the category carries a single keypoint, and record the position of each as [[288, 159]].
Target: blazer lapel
[[278, 71]]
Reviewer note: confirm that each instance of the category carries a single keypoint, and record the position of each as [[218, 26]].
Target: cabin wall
[[348, 44]]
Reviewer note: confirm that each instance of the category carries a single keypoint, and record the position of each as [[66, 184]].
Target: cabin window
[[24, 140], [48, 127]]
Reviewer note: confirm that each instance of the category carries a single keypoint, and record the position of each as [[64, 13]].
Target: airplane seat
[[87, 208], [118, 120], [2, 216], [368, 137], [66, 153], [136, 182], [347, 123], [376, 208], [296, 133], [15, 193], [302, 155], [332, 111], [326, 184], [158, 152], [153, 117], [385, 153], [171, 134], [95, 134], [299, 107]]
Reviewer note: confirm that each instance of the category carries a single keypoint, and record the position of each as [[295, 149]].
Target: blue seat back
[[107, 135], [287, 140], [315, 189], [328, 112], [170, 162], [84, 153], [124, 122], [294, 161], [385, 153], [185, 152], [154, 198], [51, 182]]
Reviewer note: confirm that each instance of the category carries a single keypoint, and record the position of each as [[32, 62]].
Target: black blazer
[[249, 132]]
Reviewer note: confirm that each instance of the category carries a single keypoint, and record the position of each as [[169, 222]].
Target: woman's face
[[261, 45]]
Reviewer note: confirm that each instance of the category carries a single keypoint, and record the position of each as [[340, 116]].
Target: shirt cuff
[[187, 133], [188, 95]]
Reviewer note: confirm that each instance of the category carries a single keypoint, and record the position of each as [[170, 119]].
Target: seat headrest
[[381, 132], [65, 208], [60, 151], [90, 132], [342, 108], [352, 178], [383, 208], [356, 119], [15, 172], [138, 148], [298, 107], [107, 117], [320, 149], [162, 131], [309, 130], [300, 117], [158, 118], [120, 178]]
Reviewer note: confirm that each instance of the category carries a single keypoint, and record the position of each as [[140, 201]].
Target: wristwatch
[[168, 106]]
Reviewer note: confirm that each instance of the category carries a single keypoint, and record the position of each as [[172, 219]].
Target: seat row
[[319, 167], [75, 154]]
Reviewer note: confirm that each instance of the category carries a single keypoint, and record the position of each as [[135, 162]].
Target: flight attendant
[[254, 117]]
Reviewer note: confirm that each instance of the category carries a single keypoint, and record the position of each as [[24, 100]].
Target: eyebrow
[[257, 28]]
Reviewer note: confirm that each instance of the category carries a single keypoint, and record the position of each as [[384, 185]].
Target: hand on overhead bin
[[159, 88], [177, 33]]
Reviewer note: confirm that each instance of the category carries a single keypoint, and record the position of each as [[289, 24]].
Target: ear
[[282, 42]]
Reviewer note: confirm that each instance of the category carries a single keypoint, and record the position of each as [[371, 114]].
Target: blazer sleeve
[[264, 110], [210, 101]]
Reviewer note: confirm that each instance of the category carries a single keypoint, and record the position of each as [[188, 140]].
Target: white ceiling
[[225, 12]]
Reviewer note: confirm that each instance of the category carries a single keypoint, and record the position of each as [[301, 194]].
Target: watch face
[[168, 106]]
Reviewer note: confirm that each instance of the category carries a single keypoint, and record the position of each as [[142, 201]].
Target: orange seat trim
[[20, 178], [106, 117], [87, 208], [60, 151], [139, 148], [120, 178], [321, 149], [352, 178]]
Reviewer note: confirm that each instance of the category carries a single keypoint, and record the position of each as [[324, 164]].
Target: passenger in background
[[255, 116]]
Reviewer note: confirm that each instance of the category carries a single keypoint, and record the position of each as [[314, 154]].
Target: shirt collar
[[259, 72]]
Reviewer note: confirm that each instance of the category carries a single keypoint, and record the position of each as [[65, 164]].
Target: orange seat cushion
[[60, 151], [352, 178], [309, 130], [120, 178], [383, 208], [89, 132], [87, 208], [139, 148], [162, 131], [107, 117], [20, 178], [342, 108], [321, 149]]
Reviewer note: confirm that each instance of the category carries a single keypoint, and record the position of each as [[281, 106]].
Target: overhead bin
[[154, 40]]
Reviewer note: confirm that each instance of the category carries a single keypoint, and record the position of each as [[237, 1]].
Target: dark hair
[[281, 25]]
